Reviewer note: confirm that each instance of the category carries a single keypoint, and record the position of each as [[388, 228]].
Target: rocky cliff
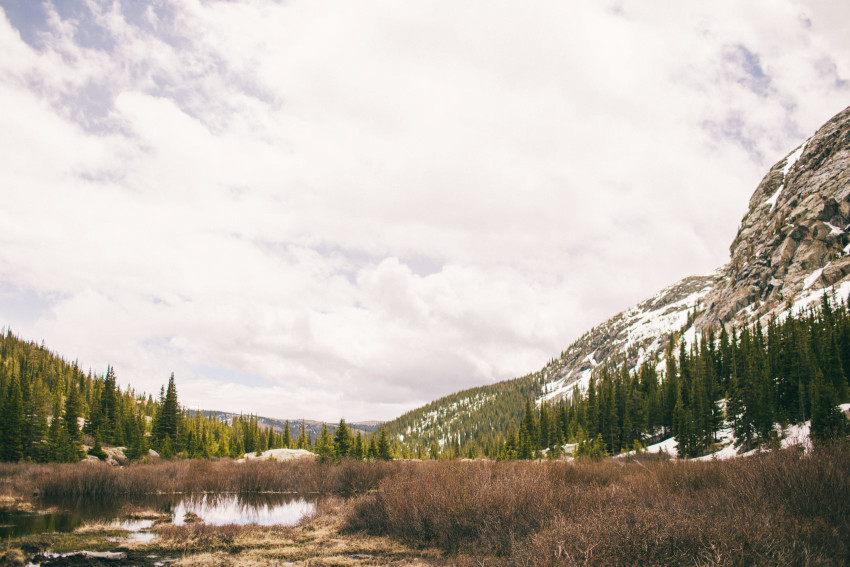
[[793, 241], [792, 247]]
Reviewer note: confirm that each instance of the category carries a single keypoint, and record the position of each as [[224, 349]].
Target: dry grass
[[315, 542], [100, 480], [781, 508]]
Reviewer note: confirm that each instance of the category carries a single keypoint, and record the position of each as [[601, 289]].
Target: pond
[[63, 515], [21, 523]]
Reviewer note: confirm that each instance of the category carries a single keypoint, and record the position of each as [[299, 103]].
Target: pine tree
[[167, 448], [373, 453], [35, 424], [544, 428], [171, 410], [97, 450], [11, 447], [157, 423], [303, 441], [55, 437], [683, 427], [384, 453], [325, 445], [511, 448], [109, 407], [342, 440], [166, 420], [827, 419], [357, 451], [287, 436], [137, 446], [591, 410], [528, 434], [73, 449]]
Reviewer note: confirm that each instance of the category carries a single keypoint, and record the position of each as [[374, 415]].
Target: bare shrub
[[782, 508], [100, 480]]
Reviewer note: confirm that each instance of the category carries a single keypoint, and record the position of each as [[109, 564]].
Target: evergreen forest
[[52, 411], [749, 379]]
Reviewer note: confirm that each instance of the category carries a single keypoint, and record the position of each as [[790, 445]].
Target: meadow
[[776, 508]]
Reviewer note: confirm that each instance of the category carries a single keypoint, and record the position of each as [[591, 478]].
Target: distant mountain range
[[312, 427]]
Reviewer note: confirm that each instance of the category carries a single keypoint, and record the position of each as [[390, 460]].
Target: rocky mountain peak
[[794, 239], [792, 247]]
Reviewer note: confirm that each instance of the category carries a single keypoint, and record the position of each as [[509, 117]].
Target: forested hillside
[[751, 380], [50, 408], [466, 423]]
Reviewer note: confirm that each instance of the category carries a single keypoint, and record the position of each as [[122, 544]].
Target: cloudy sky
[[337, 208]]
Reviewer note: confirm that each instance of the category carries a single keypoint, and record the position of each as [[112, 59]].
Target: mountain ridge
[[793, 245]]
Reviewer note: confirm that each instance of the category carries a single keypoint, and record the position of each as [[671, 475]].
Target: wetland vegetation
[[783, 507]]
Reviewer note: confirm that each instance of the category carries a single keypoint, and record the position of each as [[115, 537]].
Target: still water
[[214, 509], [223, 509]]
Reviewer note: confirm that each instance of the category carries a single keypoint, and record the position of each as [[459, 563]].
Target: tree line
[[750, 379], [50, 410]]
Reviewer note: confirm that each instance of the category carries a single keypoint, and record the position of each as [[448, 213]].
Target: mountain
[[793, 246]]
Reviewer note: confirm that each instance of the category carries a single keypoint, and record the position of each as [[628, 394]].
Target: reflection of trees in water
[[14, 524], [263, 508], [252, 499]]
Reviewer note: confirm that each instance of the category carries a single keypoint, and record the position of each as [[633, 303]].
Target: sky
[[336, 208]]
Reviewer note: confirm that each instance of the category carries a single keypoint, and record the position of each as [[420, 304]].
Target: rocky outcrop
[[794, 239], [793, 246]]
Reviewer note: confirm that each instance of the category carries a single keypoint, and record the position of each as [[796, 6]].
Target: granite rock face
[[794, 237]]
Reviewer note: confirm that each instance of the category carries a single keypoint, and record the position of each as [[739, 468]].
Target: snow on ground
[[813, 277], [556, 390], [792, 435], [726, 442], [774, 198], [797, 434], [644, 325], [690, 337], [645, 354], [835, 230], [809, 298], [565, 385], [667, 446], [278, 455], [789, 163], [792, 159]]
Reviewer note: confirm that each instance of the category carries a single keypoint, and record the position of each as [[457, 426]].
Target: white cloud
[[324, 208]]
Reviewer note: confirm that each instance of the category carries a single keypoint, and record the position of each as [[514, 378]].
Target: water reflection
[[134, 525], [13, 524], [214, 509], [223, 509]]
